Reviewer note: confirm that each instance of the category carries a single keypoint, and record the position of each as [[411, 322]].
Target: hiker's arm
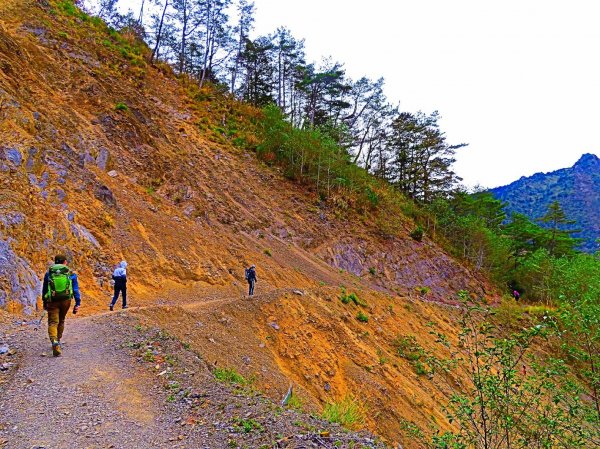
[[76, 293], [45, 289]]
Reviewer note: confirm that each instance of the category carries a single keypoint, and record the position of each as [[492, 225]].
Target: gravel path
[[121, 385], [91, 397]]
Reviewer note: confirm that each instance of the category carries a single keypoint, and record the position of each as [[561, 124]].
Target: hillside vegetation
[[106, 157], [577, 190]]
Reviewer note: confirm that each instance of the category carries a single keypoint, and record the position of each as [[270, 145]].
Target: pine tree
[[559, 240]]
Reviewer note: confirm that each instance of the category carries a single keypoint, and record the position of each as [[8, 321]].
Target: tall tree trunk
[[141, 17], [209, 39], [183, 42], [159, 33]]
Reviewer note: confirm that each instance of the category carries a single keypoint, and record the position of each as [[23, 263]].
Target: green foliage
[[347, 298], [408, 348], [372, 271], [67, 7], [347, 412], [513, 398], [148, 356], [248, 425], [230, 375], [295, 402], [423, 290], [268, 252], [313, 156], [120, 106], [417, 233], [362, 317]]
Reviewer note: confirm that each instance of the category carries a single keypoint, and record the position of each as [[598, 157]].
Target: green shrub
[[423, 290], [363, 318], [67, 7], [249, 425], [229, 375], [346, 298], [295, 402], [347, 412], [417, 233], [120, 106], [408, 348]]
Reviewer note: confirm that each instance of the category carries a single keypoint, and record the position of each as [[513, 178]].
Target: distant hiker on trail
[[120, 278], [251, 278], [59, 287], [516, 295]]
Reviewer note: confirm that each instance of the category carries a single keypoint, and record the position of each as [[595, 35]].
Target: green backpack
[[60, 285]]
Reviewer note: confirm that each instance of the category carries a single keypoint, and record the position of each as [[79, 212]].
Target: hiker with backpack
[[120, 278], [59, 287], [251, 278]]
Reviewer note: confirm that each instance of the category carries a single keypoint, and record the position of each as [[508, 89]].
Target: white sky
[[519, 80]]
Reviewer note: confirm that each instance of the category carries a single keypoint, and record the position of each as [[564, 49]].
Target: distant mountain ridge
[[577, 189]]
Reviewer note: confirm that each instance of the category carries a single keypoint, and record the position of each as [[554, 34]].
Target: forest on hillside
[[209, 41], [345, 140]]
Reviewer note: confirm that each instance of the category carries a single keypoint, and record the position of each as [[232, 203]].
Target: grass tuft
[[347, 412]]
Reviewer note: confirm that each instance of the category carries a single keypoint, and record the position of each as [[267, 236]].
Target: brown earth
[[118, 385], [161, 184]]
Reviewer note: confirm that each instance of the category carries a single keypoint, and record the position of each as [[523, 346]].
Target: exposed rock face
[[18, 282]]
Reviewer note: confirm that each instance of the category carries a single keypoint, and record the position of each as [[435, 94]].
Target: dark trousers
[[251, 287], [123, 290]]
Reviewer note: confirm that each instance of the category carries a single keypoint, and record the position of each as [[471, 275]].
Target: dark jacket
[[76, 293], [120, 281], [251, 275], [120, 275]]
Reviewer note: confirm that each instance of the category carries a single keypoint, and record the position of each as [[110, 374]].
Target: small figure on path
[[120, 278], [516, 295], [59, 287], [251, 278]]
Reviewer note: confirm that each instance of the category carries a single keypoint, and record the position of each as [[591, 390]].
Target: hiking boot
[[126, 307], [111, 307], [56, 351]]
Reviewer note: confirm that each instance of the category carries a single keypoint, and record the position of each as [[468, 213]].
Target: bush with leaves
[[513, 399]]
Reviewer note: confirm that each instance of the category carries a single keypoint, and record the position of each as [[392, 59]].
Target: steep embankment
[[108, 158], [104, 157]]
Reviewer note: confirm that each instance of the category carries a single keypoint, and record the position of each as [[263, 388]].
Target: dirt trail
[[92, 397], [101, 395]]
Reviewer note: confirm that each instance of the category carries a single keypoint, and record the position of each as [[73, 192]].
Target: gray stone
[[14, 156], [104, 194], [112, 173], [102, 158], [82, 233], [31, 158], [4, 349], [18, 281], [12, 219]]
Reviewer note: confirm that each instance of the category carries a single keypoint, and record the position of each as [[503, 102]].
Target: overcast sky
[[518, 80]]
